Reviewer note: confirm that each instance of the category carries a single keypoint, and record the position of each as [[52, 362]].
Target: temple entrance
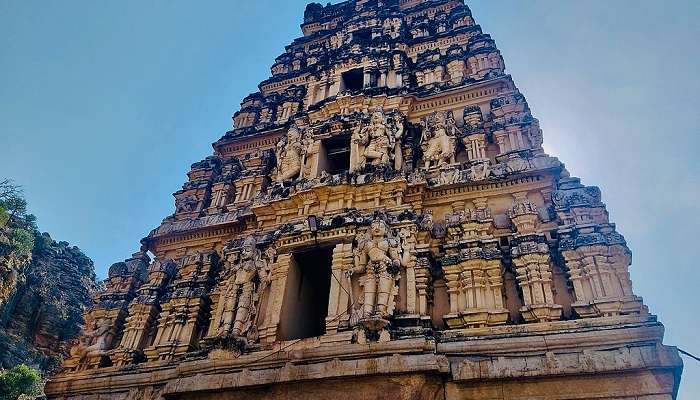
[[305, 305]]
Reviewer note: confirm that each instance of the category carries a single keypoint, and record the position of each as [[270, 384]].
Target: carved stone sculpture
[[290, 155], [378, 143], [247, 275], [372, 246], [439, 140], [379, 257], [94, 342]]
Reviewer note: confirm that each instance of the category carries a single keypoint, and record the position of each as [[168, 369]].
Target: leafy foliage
[[18, 225], [18, 381], [4, 216], [14, 205], [23, 242]]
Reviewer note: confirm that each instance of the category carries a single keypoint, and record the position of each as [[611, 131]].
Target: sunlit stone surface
[[381, 223]]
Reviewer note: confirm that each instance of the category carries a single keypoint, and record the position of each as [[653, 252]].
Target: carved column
[[533, 264], [280, 269], [473, 268], [222, 194], [339, 302], [595, 255], [423, 281], [143, 313], [482, 285], [185, 309], [105, 320], [456, 70]]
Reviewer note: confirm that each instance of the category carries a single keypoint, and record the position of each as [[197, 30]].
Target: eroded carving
[[378, 143], [439, 140], [290, 155]]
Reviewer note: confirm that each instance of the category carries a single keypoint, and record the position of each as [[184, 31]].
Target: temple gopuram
[[382, 222]]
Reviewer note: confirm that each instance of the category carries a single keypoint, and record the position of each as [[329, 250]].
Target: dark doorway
[[305, 305], [353, 80], [362, 35], [337, 154]]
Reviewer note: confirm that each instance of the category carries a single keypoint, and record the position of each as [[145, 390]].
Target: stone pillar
[[456, 70], [476, 147], [339, 302], [367, 77], [221, 197], [482, 284], [501, 137], [423, 280], [184, 313], [596, 256], [143, 314], [452, 280], [532, 263], [280, 269]]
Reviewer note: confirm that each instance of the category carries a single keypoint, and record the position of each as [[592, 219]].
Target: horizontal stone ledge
[[308, 351], [380, 366], [613, 360], [308, 360], [551, 336]]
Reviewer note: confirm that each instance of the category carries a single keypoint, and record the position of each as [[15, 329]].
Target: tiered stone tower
[[381, 223]]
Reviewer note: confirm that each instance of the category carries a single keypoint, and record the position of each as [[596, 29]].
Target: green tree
[[13, 203], [4, 216], [22, 241], [20, 380]]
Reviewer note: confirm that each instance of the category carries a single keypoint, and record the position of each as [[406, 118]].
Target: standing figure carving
[[246, 277], [378, 143], [379, 257], [290, 155], [439, 140]]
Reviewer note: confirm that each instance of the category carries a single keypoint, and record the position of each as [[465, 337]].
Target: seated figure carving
[[94, 341]]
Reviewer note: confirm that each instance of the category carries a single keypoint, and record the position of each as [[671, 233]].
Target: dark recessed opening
[[363, 35], [337, 154], [353, 80], [305, 305]]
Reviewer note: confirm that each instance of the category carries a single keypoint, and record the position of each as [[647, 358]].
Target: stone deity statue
[[439, 140], [236, 306], [94, 340], [290, 155], [379, 257], [378, 143]]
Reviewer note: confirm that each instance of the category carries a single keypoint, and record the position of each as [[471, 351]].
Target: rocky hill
[[44, 312], [44, 286]]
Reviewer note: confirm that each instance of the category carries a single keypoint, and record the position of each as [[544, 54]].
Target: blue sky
[[104, 105]]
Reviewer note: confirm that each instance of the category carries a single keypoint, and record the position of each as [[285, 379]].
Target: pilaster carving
[[473, 269], [105, 320], [595, 255], [532, 261], [143, 313], [184, 310]]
